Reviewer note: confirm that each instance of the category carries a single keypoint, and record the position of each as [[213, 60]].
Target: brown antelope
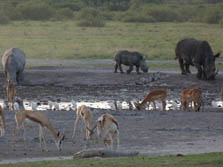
[[2, 127], [11, 92], [43, 121], [85, 113], [153, 96], [189, 96], [107, 129]]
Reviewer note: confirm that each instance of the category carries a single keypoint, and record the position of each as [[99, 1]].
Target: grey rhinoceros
[[13, 62], [197, 53], [130, 59]]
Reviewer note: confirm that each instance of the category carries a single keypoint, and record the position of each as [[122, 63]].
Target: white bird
[[74, 105], [19, 101], [111, 105], [16, 106], [217, 104], [53, 105], [159, 105], [133, 104], [3, 105], [174, 104], [118, 105], [34, 106]]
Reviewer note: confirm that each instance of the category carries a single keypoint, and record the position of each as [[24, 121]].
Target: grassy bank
[[64, 40], [202, 160]]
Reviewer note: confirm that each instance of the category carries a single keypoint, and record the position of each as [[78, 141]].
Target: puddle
[[13, 161]]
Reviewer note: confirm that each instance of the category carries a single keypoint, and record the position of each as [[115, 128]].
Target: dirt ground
[[150, 133]]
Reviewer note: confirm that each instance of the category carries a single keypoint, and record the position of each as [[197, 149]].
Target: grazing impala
[[152, 97], [43, 121], [11, 92], [189, 96], [85, 113], [2, 127], [107, 129]]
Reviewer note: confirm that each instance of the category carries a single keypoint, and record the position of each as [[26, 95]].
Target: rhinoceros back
[[13, 61]]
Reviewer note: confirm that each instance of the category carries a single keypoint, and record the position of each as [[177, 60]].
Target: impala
[[155, 95]]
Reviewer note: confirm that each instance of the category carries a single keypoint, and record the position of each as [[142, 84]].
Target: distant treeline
[[209, 11]]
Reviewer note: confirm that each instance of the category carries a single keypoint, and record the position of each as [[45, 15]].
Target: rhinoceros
[[197, 53], [13, 62], [130, 59]]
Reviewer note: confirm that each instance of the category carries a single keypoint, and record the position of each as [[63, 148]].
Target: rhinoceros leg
[[137, 69], [199, 71], [187, 66], [130, 69], [120, 68], [181, 62], [116, 68]]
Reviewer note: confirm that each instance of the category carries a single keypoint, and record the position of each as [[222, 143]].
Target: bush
[[12, 13], [213, 17], [4, 19], [108, 15], [64, 13], [221, 22], [35, 11], [131, 16], [163, 14], [89, 17]]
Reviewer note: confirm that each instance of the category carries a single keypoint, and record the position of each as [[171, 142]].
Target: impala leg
[[24, 139], [154, 105], [148, 104], [111, 139], [117, 137], [40, 138], [164, 105], [75, 126], [14, 139], [44, 141]]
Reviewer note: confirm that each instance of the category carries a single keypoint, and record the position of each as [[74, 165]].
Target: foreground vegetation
[[202, 160], [65, 40]]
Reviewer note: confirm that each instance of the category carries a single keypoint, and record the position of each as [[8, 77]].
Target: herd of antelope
[[106, 126]]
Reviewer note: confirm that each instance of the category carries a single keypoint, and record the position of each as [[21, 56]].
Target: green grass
[[201, 160], [65, 40]]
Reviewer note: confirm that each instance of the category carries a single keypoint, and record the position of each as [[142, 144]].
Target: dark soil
[[150, 133]]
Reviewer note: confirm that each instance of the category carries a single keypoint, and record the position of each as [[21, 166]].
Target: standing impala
[[152, 97], [2, 127], [43, 121], [107, 129], [189, 96], [85, 113]]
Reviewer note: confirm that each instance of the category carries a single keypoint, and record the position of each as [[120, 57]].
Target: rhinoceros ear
[[217, 55]]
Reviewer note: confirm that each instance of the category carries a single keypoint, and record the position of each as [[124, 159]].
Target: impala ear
[[58, 134]]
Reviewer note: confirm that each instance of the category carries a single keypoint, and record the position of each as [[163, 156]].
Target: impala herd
[[106, 126]]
